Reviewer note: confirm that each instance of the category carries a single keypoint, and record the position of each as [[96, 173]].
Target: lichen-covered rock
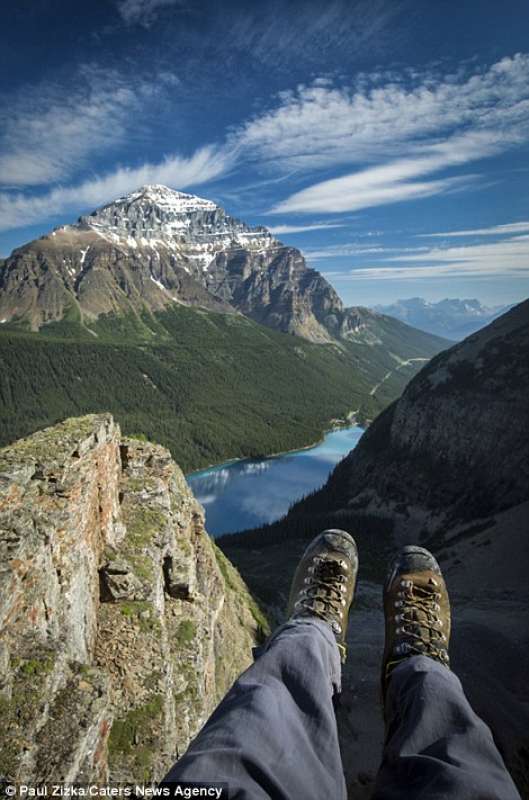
[[121, 624]]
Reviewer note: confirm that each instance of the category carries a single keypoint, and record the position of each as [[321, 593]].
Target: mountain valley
[[194, 329]]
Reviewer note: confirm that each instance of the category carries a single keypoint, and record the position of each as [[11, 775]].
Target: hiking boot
[[417, 611], [324, 583]]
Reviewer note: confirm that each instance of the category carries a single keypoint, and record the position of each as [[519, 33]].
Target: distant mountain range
[[168, 312], [451, 318]]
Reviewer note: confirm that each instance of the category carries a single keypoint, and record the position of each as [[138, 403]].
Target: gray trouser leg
[[436, 747], [274, 735]]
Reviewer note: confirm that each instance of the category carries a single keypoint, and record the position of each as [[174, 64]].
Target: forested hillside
[[207, 385]]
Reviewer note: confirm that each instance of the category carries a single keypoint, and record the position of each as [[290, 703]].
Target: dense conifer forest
[[206, 385]]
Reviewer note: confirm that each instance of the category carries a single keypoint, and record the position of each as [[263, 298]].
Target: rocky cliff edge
[[121, 623]]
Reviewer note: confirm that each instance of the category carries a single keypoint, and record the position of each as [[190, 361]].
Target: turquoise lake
[[244, 494]]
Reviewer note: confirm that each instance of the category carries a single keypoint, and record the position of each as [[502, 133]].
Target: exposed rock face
[[455, 445], [276, 288], [156, 247], [121, 624]]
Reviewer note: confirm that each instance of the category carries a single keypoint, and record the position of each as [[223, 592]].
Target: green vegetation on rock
[[143, 523], [142, 613], [21, 709], [129, 736], [186, 632], [235, 583]]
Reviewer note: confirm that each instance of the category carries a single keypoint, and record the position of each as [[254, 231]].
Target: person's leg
[[436, 747], [274, 735]]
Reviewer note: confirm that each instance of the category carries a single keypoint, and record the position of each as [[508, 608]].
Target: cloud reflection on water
[[244, 494]]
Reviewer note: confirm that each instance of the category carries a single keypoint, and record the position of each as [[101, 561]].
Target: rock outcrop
[[121, 623]]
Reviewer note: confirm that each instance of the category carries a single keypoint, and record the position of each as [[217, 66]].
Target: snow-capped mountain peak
[[160, 195], [155, 216]]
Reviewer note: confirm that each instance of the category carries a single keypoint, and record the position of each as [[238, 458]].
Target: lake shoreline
[[349, 422], [243, 493]]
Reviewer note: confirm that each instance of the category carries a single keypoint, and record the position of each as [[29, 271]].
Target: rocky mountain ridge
[[121, 624], [156, 247], [158, 217]]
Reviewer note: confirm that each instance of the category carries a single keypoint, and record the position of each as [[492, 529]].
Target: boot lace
[[325, 589], [419, 623]]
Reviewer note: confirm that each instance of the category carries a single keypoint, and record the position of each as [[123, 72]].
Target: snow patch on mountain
[[156, 216], [163, 196]]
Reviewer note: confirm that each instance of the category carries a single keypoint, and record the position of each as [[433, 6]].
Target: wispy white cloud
[[502, 256], [394, 181], [423, 273], [279, 229], [343, 251], [348, 249], [438, 123], [17, 210], [51, 133], [497, 259], [358, 191], [281, 35], [143, 12], [493, 230], [322, 125]]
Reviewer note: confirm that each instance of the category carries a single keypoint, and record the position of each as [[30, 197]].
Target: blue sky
[[387, 140]]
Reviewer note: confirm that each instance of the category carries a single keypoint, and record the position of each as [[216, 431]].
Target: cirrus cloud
[[143, 12], [396, 180], [322, 125], [177, 171], [51, 133], [493, 230], [407, 133], [317, 226], [508, 257]]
